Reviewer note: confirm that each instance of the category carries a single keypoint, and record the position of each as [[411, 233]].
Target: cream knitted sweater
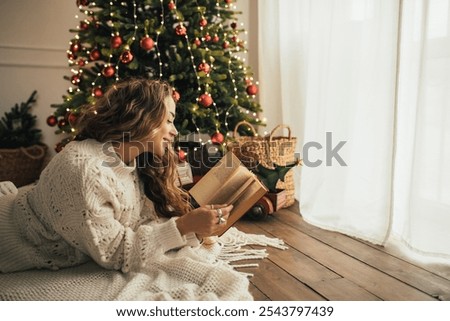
[[89, 204]]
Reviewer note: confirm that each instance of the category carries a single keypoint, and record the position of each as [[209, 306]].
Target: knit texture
[[88, 205], [172, 281]]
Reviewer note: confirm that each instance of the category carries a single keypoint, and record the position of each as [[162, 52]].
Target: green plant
[[17, 127]]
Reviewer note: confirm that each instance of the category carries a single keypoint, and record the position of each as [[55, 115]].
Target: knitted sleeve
[[91, 218]]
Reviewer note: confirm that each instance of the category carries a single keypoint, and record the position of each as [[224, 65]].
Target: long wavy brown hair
[[131, 110]]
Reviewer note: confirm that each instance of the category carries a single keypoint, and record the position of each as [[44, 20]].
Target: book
[[229, 182]]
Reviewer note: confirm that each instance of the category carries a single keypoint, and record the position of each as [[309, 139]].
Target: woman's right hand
[[204, 221]]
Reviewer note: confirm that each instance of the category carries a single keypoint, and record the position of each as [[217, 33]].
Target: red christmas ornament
[[71, 56], [75, 47], [204, 67], [234, 38], [181, 155], [228, 1], [147, 43], [75, 79], [52, 121], [108, 71], [95, 54], [72, 118], [252, 90], [98, 92], [116, 41], [171, 5], [83, 3], [233, 25], [217, 138], [207, 37], [197, 42], [62, 123], [205, 100], [81, 62], [203, 22], [225, 44], [175, 95], [84, 25], [215, 38], [126, 57], [180, 30]]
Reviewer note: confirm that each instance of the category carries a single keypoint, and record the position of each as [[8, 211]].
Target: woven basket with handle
[[281, 151], [249, 149]]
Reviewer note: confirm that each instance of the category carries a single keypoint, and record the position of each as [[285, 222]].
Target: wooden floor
[[324, 265]]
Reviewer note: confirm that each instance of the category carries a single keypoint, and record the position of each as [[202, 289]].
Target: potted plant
[[21, 150]]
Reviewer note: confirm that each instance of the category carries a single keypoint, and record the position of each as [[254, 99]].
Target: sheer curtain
[[364, 84]]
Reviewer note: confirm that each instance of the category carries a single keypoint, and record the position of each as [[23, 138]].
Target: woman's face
[[166, 134]]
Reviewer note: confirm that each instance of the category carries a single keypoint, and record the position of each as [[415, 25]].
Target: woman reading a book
[[111, 196]]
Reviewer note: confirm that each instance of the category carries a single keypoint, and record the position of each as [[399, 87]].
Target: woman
[[111, 196]]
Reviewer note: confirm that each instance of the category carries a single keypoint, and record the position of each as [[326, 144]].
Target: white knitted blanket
[[90, 282]]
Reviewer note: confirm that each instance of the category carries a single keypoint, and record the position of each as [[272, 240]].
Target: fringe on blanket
[[233, 247]]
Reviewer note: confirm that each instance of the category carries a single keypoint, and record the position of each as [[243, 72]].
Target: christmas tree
[[194, 45]]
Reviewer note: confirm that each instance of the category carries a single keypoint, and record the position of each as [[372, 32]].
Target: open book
[[229, 182]]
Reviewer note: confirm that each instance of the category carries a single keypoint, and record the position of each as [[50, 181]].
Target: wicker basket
[[22, 165], [281, 151], [268, 151], [249, 149]]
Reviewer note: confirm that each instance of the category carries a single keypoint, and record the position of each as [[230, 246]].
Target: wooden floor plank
[[372, 280], [311, 273], [278, 285], [343, 290], [374, 256]]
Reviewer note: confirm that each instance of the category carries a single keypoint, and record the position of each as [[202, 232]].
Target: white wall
[[34, 37]]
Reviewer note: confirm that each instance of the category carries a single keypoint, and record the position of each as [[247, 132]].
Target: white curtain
[[365, 86]]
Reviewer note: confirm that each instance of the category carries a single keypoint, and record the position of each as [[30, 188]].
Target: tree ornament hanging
[[52, 121], [217, 138], [84, 25], [197, 42], [72, 118], [108, 71], [204, 67], [180, 30], [171, 5], [205, 100], [203, 22], [71, 56], [181, 155], [147, 43], [98, 92], [126, 57], [75, 79], [82, 3], [81, 62], [116, 41], [252, 90], [62, 123], [95, 55], [75, 47]]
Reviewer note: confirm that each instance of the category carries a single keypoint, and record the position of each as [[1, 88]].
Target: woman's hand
[[205, 220]]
